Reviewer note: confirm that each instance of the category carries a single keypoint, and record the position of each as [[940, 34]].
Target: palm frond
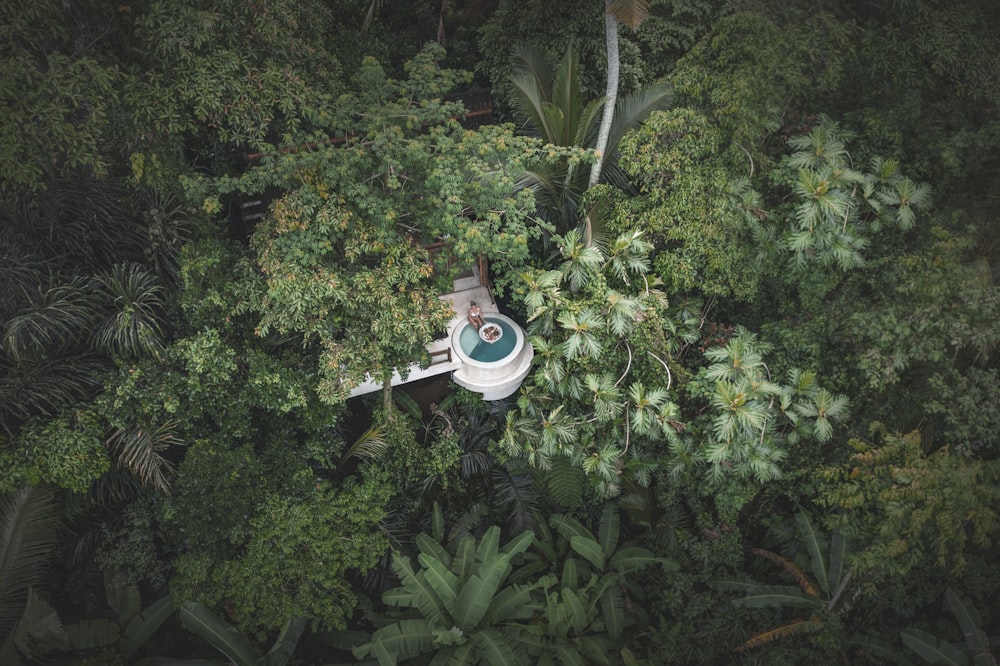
[[57, 319], [140, 449], [133, 325], [44, 388], [27, 537], [630, 12]]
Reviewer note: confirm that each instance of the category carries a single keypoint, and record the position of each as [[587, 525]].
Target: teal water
[[484, 351]]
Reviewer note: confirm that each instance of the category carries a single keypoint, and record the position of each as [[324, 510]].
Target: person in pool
[[476, 316]]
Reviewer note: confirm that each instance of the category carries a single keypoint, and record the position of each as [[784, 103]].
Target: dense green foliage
[[761, 421]]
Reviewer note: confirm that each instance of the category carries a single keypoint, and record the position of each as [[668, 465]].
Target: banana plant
[[225, 638], [40, 632], [455, 604], [933, 650], [605, 564], [819, 595]]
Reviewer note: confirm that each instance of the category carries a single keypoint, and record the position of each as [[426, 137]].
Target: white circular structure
[[494, 368]]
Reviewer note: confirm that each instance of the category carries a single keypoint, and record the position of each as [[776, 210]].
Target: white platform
[[467, 290]]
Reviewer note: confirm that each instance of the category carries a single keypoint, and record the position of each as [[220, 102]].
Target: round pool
[[486, 362]]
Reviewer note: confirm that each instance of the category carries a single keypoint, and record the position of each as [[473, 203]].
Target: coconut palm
[[632, 13], [552, 104]]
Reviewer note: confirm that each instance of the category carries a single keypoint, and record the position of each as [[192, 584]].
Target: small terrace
[[494, 369]]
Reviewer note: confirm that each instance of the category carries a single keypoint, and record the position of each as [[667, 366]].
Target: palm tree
[[632, 13], [554, 109]]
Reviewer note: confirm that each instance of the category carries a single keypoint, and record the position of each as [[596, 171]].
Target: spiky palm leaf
[[28, 523], [142, 448], [133, 324], [44, 388], [57, 320]]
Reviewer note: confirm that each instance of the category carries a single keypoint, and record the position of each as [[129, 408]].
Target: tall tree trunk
[[611, 93], [387, 398]]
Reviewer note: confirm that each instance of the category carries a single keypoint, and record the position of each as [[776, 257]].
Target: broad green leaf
[[634, 558], [613, 610], [446, 584], [403, 639], [838, 552], [575, 611], [494, 649], [218, 633], [969, 621], [90, 634], [607, 533], [774, 595], [595, 649], [285, 644], [570, 575], [518, 544], [515, 602], [123, 599], [465, 559], [478, 592], [428, 545], [421, 592], [932, 649], [589, 549], [816, 547], [489, 545], [569, 527], [144, 625], [568, 655]]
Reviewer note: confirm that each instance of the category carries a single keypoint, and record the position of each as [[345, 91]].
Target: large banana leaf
[[284, 646], [478, 592], [970, 622], [518, 544], [595, 648], [608, 530], [144, 625], [762, 596], [421, 594], [588, 549], [634, 558], [838, 555], [403, 639], [489, 545], [932, 649], [569, 527], [494, 649], [446, 584], [465, 558], [568, 655], [876, 647], [575, 611], [91, 634], [431, 547], [219, 634], [613, 610], [123, 599], [815, 545], [514, 602]]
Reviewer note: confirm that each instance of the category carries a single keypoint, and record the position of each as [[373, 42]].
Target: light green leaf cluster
[[595, 323], [838, 207]]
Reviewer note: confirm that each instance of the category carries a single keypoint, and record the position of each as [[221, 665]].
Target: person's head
[[473, 304]]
